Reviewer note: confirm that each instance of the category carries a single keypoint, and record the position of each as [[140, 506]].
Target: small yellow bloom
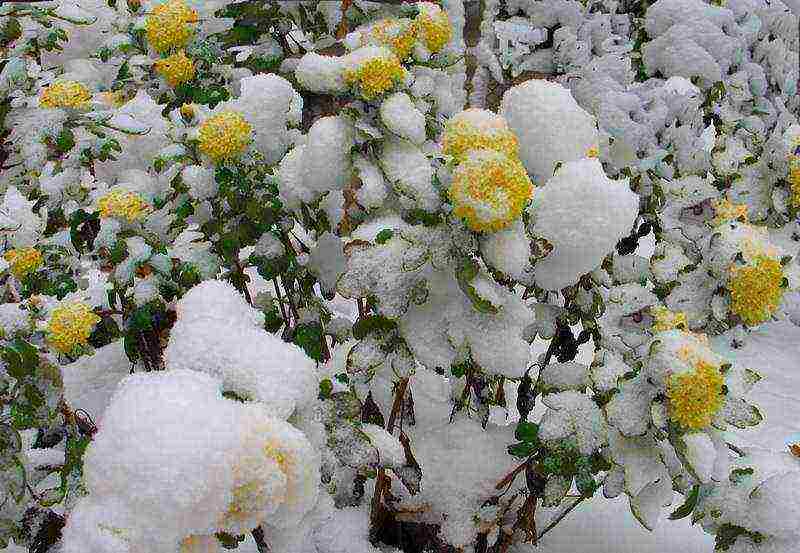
[[23, 261], [70, 326], [664, 319], [489, 190], [187, 112], [435, 30], [695, 396], [594, 151], [399, 35], [756, 289], [225, 136], [477, 129], [123, 204], [65, 94], [170, 25], [726, 211], [176, 69], [376, 76]]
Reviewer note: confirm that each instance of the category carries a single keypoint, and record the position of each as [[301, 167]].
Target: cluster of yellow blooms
[[664, 319], [431, 27], [398, 35], [725, 210], [376, 75], [489, 190], [122, 204], [23, 261], [756, 289], [170, 25], [435, 30], [225, 136], [477, 129], [176, 69], [695, 396], [490, 186], [65, 94], [70, 326]]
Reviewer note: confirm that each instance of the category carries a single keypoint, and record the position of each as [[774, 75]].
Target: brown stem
[[509, 478], [376, 506], [261, 542], [280, 300]]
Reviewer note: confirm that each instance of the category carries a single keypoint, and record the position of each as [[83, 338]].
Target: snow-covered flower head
[[170, 25], [123, 204], [70, 326], [478, 129], [23, 261], [176, 68], [225, 136], [489, 190], [433, 26], [65, 94], [397, 34], [373, 71]]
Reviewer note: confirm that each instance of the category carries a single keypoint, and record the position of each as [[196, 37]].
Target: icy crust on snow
[[174, 459], [218, 333], [583, 214], [550, 125]]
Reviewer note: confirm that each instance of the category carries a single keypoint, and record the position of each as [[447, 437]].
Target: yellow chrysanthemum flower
[[478, 129], [70, 326], [225, 136], [664, 319], [176, 69], [434, 27], [123, 204], [23, 261], [375, 76], [756, 289], [794, 181], [170, 25], [725, 211], [399, 35], [695, 396], [65, 94], [594, 151], [489, 190]]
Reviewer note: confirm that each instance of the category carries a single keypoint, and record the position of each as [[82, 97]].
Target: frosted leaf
[[507, 250], [402, 118], [606, 370], [629, 409], [565, 376], [320, 74], [700, 454], [410, 172], [326, 161], [389, 448], [573, 415], [555, 490], [327, 261]]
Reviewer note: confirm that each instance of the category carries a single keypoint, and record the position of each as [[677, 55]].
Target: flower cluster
[[70, 326], [170, 25], [123, 204], [65, 94], [23, 261]]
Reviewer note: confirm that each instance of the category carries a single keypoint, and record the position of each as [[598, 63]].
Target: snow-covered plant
[[326, 277]]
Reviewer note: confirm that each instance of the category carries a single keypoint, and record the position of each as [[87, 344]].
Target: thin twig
[[560, 517]]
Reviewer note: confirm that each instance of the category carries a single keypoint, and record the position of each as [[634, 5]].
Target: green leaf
[[688, 506], [527, 432], [384, 236], [521, 449], [372, 323], [309, 337], [21, 358], [325, 388]]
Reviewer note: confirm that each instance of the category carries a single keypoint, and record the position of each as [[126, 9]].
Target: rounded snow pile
[[218, 333], [175, 459], [583, 214], [550, 126]]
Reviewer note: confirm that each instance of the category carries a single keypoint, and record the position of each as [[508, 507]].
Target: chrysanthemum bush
[[272, 278]]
